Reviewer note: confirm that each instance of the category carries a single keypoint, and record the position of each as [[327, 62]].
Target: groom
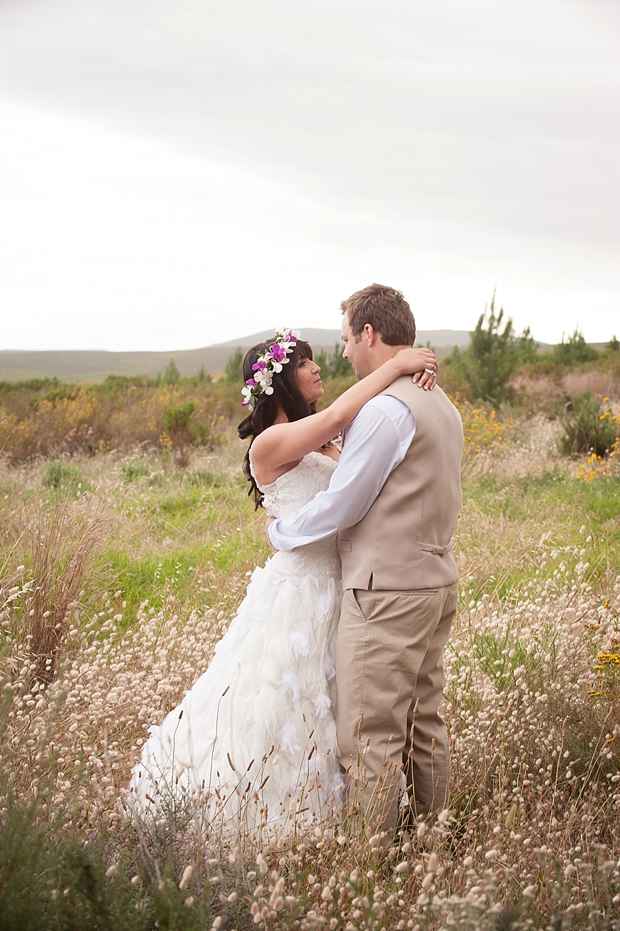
[[393, 501]]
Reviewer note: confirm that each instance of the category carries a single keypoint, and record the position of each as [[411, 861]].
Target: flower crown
[[264, 368]]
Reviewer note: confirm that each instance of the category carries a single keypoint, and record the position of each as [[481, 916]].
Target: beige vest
[[404, 541]]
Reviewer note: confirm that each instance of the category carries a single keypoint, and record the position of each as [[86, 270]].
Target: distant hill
[[95, 365], [441, 339], [312, 335]]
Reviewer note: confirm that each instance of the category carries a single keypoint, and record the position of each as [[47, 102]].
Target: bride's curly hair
[[286, 397]]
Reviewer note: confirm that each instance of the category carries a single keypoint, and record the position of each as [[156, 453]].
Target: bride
[[253, 742]]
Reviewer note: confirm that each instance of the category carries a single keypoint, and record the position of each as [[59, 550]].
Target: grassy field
[[119, 574]]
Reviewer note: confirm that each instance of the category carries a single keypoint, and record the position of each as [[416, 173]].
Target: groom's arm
[[376, 443]]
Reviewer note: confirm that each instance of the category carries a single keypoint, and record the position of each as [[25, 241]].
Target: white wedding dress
[[253, 743]]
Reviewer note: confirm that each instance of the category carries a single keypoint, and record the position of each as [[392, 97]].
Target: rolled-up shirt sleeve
[[376, 442]]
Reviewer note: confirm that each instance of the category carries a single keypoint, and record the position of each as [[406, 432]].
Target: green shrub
[[61, 478], [574, 351], [29, 384], [62, 393], [583, 429], [234, 366], [132, 471], [492, 358], [176, 421], [171, 376], [453, 381], [332, 364]]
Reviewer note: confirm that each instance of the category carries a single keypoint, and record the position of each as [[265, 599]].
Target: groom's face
[[355, 349]]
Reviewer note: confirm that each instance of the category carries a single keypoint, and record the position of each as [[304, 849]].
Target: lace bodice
[[284, 497], [295, 488]]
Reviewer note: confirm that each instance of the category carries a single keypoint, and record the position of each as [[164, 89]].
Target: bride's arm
[[284, 443]]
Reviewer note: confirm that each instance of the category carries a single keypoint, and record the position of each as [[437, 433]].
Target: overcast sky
[[175, 173]]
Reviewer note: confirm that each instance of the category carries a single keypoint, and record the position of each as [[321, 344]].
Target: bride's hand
[[422, 362]]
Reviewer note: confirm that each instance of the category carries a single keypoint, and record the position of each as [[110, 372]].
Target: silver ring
[[431, 372]]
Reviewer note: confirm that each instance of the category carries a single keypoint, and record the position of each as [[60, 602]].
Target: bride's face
[[309, 379]]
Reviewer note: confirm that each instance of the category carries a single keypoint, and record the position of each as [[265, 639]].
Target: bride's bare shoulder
[[265, 459], [266, 443]]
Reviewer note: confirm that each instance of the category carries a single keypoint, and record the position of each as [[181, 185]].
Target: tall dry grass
[[601, 384], [63, 539]]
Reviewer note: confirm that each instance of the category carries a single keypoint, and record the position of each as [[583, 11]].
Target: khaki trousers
[[389, 679]]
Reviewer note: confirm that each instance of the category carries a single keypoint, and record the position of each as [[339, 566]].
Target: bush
[[171, 376], [234, 366], [133, 471], [120, 413], [332, 364], [492, 358], [584, 430], [574, 351], [56, 474], [453, 380], [62, 479]]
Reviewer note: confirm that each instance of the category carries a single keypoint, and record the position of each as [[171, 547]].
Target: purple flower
[[278, 352]]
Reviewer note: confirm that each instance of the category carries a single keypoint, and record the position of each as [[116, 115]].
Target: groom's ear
[[370, 334]]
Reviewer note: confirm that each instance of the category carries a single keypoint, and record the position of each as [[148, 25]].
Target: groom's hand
[[269, 521]]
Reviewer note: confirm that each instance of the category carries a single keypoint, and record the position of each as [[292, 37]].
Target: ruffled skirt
[[253, 743]]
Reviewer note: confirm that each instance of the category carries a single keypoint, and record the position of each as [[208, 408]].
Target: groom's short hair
[[385, 309]]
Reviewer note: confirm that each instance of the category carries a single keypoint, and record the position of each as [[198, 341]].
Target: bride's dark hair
[[286, 397]]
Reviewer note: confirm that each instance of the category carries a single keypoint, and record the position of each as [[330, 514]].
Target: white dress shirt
[[376, 442]]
